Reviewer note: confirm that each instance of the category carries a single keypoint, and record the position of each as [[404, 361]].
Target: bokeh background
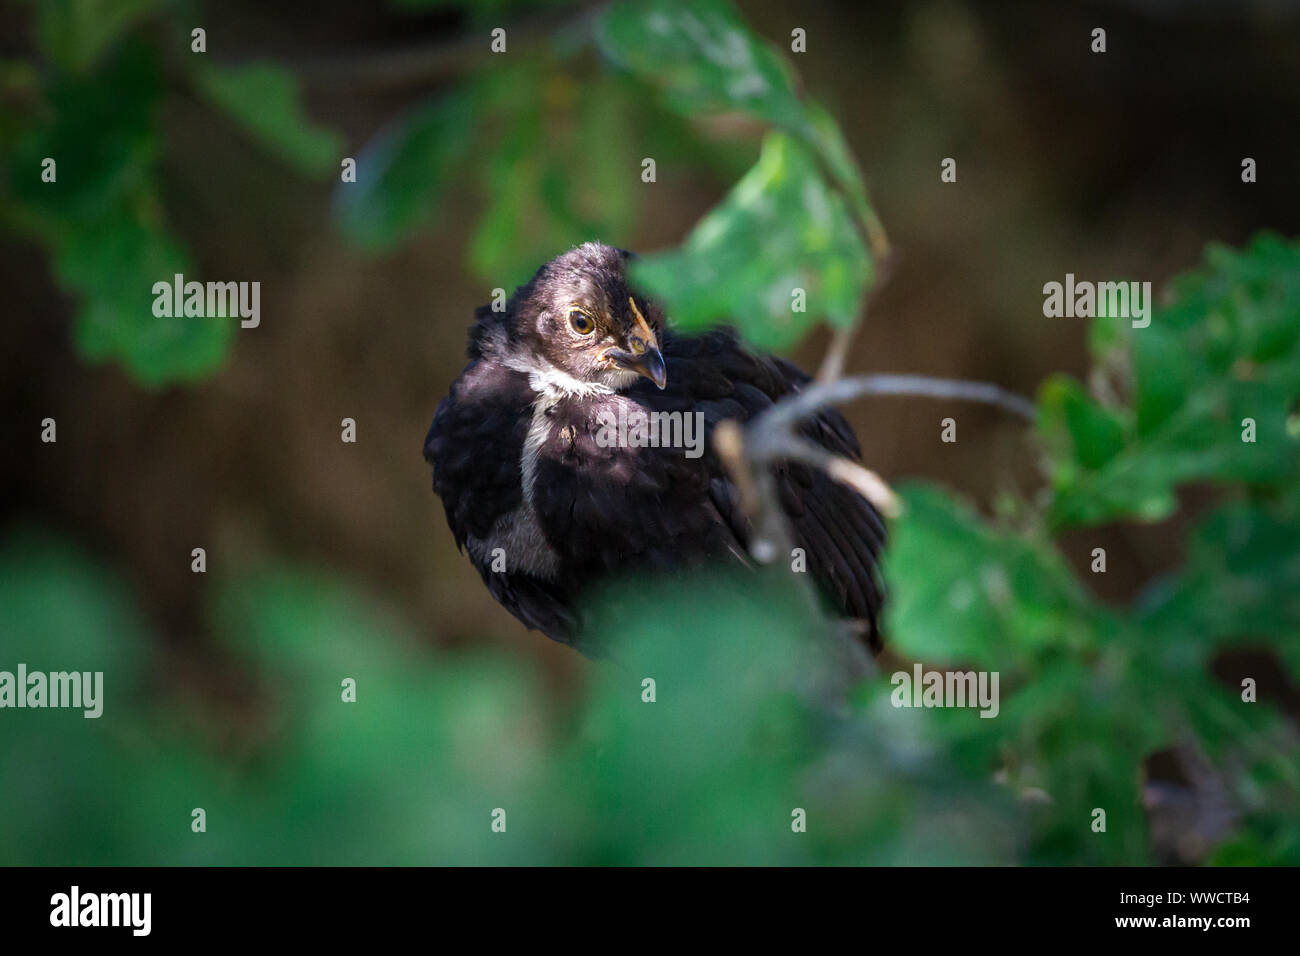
[[1119, 165]]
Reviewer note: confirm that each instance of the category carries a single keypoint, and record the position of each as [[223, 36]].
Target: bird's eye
[[582, 323]]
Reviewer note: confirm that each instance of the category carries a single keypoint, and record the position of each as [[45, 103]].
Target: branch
[[791, 410], [428, 63], [772, 437], [837, 353]]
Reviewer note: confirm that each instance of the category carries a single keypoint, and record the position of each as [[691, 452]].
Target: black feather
[[594, 512]]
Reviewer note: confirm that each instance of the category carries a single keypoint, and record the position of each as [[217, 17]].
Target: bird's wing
[[610, 509], [474, 446], [543, 605]]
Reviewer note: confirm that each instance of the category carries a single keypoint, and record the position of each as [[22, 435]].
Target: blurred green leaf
[[103, 220], [779, 230], [75, 33], [63, 784], [547, 188], [412, 770], [1085, 694], [1240, 584], [101, 134], [708, 772], [1014, 598], [264, 99], [64, 610], [113, 262], [401, 174], [1267, 840], [1088, 693], [1096, 433], [829, 143]]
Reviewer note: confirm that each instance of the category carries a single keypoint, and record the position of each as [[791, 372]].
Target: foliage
[[264, 99], [1226, 348], [1096, 689], [412, 771], [553, 143], [738, 735], [399, 175], [780, 231], [784, 226], [95, 110], [553, 137]]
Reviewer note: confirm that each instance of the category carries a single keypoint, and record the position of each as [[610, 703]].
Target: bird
[[549, 504]]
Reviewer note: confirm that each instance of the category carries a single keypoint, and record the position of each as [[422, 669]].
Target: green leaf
[[1096, 433], [1240, 584], [63, 775], [264, 100], [113, 263], [778, 231], [101, 135], [963, 593], [75, 33], [401, 174], [65, 610], [547, 188], [102, 220], [1072, 720], [1224, 350], [704, 58], [729, 743], [782, 227]]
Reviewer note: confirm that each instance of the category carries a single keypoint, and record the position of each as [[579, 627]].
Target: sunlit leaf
[[779, 236], [1225, 350], [704, 57], [1013, 599]]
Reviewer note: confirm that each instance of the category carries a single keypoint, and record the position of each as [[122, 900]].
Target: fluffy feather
[[518, 465]]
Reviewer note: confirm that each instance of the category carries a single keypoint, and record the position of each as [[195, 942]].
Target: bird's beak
[[645, 358], [649, 364]]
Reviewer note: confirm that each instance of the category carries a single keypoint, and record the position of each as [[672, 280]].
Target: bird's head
[[579, 317]]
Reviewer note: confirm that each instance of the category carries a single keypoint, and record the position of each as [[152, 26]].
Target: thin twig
[[837, 353], [772, 437], [789, 411], [425, 64]]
